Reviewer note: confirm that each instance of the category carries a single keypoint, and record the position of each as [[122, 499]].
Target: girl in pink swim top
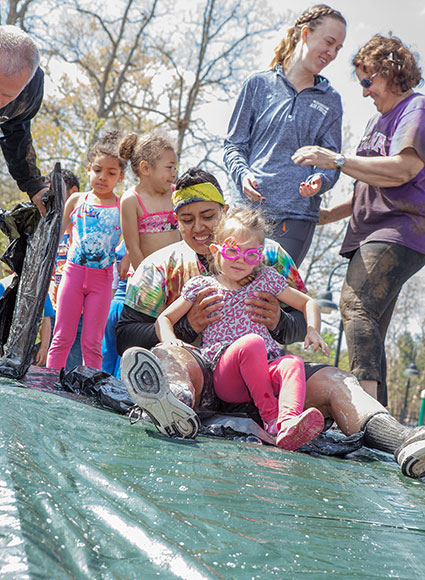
[[147, 218], [86, 282], [248, 364]]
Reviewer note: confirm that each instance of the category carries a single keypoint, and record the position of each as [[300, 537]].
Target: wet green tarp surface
[[83, 494]]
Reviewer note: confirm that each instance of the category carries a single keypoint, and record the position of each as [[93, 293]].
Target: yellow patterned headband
[[198, 192]]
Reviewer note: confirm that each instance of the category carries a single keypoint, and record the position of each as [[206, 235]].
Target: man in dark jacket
[[21, 94]]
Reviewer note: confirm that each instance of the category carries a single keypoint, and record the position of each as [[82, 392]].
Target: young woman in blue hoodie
[[278, 111]]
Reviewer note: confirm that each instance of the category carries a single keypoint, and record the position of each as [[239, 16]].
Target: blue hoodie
[[270, 121]]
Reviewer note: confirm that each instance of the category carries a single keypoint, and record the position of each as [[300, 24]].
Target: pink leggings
[[88, 288], [243, 374]]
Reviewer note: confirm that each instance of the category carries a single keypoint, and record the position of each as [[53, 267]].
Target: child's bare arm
[[130, 230], [165, 322], [124, 266], [311, 311], [45, 333], [70, 205]]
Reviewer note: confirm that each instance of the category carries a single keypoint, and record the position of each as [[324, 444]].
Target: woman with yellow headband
[[158, 281], [170, 383]]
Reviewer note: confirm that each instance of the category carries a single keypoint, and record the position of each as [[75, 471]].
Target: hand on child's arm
[[313, 338], [264, 308], [205, 310]]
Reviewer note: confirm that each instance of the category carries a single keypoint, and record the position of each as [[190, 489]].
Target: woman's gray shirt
[[270, 121]]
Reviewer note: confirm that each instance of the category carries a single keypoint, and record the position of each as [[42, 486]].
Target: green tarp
[[83, 494]]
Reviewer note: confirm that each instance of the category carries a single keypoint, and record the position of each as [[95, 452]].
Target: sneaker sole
[[310, 423], [148, 386], [411, 459]]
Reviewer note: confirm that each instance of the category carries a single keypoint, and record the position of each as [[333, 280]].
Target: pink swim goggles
[[231, 251]]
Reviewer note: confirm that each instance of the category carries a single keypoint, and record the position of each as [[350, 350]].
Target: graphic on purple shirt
[[391, 214]]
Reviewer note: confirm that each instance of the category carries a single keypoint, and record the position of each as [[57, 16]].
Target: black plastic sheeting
[[104, 389], [31, 254], [84, 494]]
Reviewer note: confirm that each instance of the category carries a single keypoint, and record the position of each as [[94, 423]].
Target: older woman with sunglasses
[[385, 240]]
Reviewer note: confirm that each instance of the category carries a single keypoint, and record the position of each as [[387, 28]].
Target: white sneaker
[[411, 454], [147, 385]]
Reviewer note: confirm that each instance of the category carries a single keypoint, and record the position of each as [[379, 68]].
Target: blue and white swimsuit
[[95, 235]]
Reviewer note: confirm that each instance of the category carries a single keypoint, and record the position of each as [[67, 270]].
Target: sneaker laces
[[135, 414]]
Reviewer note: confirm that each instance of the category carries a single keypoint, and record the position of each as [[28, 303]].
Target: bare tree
[[16, 12], [207, 54], [324, 253], [28, 14], [103, 49], [144, 67]]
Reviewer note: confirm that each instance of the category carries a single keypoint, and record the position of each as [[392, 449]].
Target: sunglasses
[[231, 251], [367, 82]]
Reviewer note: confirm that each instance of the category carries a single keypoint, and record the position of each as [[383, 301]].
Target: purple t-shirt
[[391, 214]]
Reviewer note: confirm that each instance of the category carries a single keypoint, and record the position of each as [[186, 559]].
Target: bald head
[[18, 52], [19, 59]]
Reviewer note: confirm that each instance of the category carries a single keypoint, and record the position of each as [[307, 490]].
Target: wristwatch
[[339, 161]]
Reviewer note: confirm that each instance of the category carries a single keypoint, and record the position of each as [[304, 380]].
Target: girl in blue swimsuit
[[87, 279]]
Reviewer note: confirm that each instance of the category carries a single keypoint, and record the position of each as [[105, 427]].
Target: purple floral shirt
[[235, 321]]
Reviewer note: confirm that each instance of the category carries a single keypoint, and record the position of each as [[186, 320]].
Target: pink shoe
[[295, 432], [271, 426]]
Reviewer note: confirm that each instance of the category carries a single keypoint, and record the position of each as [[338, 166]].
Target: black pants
[[375, 276], [295, 237]]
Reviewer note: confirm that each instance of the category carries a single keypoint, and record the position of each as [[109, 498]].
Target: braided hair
[[313, 17]]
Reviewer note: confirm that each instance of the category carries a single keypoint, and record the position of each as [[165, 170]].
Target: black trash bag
[[99, 386], [238, 426], [217, 430], [243, 428], [333, 443], [7, 305], [31, 255], [18, 224]]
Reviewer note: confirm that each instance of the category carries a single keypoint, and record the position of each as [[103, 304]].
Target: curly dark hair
[[70, 179], [313, 17], [108, 145], [388, 57]]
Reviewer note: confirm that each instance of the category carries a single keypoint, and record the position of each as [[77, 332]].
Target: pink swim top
[[149, 223]]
